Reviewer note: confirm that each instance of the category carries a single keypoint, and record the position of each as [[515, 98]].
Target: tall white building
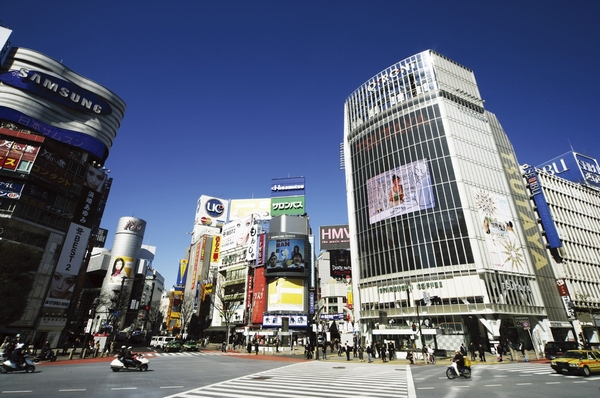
[[445, 248]]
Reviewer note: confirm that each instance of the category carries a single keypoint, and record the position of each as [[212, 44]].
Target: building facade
[[444, 248], [56, 130]]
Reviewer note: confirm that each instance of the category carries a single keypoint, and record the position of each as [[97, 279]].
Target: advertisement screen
[[286, 294], [401, 190], [339, 262], [287, 253]]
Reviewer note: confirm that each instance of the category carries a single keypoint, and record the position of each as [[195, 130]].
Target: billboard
[[574, 167], [259, 296], [287, 253], [290, 205], [237, 233], [17, 156], [211, 211], [339, 264], [275, 320], [334, 237], [68, 266], [287, 187], [182, 273], [497, 223], [260, 208], [401, 190], [286, 294]]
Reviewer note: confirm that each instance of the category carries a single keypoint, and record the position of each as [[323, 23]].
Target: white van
[[160, 341]]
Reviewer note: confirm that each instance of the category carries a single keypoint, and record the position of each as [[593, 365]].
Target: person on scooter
[[458, 362], [46, 352], [129, 359]]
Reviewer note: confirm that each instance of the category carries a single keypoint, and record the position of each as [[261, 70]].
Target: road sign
[[525, 325]]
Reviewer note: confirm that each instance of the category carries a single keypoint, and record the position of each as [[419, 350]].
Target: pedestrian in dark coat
[[481, 353]]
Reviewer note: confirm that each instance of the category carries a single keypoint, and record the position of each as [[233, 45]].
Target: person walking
[[522, 349], [348, 349], [472, 350], [361, 350], [481, 353], [369, 352]]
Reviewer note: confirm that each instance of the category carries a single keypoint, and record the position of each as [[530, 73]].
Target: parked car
[[555, 349], [583, 362], [172, 346], [190, 345]]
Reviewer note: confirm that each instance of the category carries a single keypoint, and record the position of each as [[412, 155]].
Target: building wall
[[456, 234]]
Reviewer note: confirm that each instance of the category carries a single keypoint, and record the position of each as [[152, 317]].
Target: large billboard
[[334, 237], [287, 187], [401, 190], [237, 233], [287, 253], [286, 294], [574, 167], [497, 223], [260, 208], [67, 269]]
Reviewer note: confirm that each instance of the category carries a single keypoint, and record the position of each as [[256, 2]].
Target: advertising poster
[[339, 263], [501, 239], [237, 233], [286, 254], [286, 294], [67, 269], [398, 191], [122, 267]]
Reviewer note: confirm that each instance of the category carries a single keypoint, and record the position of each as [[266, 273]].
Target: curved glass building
[[445, 247]]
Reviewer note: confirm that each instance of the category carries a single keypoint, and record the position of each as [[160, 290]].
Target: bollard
[[71, 354]]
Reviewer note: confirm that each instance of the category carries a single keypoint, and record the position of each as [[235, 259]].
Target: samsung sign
[[287, 187], [56, 90]]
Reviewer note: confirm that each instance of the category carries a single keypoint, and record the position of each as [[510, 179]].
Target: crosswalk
[[189, 354], [315, 379], [528, 369]]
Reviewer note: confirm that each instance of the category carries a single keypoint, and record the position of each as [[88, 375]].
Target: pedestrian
[[522, 349], [425, 353], [463, 350], [410, 357], [499, 351], [369, 352], [431, 354], [277, 344], [325, 344], [391, 350], [97, 348], [383, 354], [472, 350], [348, 350], [256, 343], [481, 353], [361, 350], [249, 347]]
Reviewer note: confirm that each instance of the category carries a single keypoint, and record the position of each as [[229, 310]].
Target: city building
[[56, 130], [444, 245], [566, 194]]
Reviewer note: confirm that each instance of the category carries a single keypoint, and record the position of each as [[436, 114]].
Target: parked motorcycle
[[120, 364], [9, 366], [451, 373]]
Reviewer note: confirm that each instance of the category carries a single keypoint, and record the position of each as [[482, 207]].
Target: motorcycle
[[451, 373], [120, 364], [9, 366]]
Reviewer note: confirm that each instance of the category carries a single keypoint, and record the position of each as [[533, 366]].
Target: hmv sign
[[574, 167], [334, 237]]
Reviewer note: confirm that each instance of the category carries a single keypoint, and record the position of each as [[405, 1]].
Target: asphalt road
[[211, 373]]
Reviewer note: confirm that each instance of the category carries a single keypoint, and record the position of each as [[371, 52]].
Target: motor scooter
[[451, 373], [7, 365], [120, 364]]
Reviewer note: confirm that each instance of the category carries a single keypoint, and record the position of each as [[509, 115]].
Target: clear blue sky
[[223, 96]]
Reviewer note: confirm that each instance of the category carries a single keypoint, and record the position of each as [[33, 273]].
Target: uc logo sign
[[214, 208]]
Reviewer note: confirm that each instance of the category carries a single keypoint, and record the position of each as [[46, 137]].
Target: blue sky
[[223, 96]]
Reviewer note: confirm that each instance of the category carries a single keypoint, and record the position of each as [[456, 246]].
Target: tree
[[154, 316], [186, 310], [18, 264], [226, 303]]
